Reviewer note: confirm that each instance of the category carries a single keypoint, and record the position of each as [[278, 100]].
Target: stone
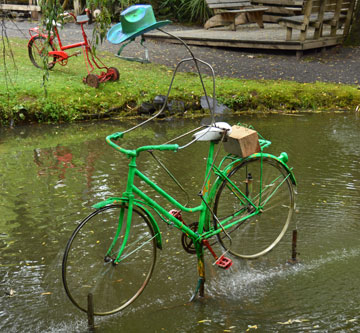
[[219, 108], [159, 101], [176, 106], [146, 108]]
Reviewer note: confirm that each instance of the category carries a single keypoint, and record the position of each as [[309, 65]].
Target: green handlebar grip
[[158, 147]]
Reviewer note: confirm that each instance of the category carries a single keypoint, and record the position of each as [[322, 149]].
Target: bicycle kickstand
[[199, 289], [201, 281]]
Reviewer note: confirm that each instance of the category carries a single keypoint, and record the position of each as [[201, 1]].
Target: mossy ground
[[66, 98]]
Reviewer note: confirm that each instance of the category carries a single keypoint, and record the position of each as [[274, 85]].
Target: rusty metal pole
[[90, 313], [201, 271]]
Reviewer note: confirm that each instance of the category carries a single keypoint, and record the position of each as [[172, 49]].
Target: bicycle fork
[[108, 256]]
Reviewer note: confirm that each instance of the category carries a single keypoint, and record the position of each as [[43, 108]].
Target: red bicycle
[[39, 49]]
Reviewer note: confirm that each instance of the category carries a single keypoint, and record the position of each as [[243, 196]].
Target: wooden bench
[[279, 8], [34, 9], [316, 14], [233, 13]]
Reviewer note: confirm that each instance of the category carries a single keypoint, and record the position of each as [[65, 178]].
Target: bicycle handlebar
[[136, 152], [167, 146], [67, 14]]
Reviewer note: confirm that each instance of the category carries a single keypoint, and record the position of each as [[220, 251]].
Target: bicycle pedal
[[224, 262], [176, 213]]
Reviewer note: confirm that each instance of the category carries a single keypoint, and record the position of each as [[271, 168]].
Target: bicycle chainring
[[63, 62], [186, 242]]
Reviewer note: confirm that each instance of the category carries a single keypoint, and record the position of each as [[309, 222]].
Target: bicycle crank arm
[[77, 53], [222, 261]]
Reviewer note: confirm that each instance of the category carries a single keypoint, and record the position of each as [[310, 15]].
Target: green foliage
[[54, 112], [190, 11], [50, 10], [103, 21], [195, 10]]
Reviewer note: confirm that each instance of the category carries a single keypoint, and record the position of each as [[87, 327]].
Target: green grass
[[23, 98]]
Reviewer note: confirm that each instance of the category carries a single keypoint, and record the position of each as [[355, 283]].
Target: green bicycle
[[247, 208]]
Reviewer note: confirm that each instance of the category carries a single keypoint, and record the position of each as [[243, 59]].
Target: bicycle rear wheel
[[38, 51], [87, 269], [272, 188]]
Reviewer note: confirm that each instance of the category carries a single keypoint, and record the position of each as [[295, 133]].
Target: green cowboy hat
[[134, 21]]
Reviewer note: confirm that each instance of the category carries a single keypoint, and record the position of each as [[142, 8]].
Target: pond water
[[51, 175]]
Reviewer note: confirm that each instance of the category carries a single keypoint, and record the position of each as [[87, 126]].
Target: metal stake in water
[[294, 253], [90, 313], [249, 180]]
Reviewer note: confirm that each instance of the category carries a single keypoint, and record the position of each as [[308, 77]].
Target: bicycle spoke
[[269, 188], [114, 285]]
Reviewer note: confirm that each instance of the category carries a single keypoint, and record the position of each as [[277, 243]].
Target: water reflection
[[56, 162], [51, 175], [59, 159]]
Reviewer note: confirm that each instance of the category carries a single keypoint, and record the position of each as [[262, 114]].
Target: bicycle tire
[[86, 268], [92, 80], [258, 234], [36, 47], [115, 74]]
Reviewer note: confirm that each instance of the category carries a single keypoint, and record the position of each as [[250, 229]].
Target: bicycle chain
[[187, 242]]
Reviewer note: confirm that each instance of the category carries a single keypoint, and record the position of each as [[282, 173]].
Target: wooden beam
[[29, 8], [280, 2]]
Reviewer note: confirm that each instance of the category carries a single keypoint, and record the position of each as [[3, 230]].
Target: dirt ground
[[340, 64]]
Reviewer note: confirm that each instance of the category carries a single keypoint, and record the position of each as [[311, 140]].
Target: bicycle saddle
[[82, 19], [212, 133]]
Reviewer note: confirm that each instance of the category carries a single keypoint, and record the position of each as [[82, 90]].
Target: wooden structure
[[233, 13], [316, 14], [30, 7], [317, 25], [279, 8], [272, 37]]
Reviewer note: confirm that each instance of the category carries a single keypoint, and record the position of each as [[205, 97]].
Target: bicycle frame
[[61, 56], [205, 230]]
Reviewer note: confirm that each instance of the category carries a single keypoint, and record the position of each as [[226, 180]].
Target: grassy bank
[[22, 96]]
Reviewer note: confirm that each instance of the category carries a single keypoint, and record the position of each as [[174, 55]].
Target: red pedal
[[224, 262], [221, 262], [176, 214]]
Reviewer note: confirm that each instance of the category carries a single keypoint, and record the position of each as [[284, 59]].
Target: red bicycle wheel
[[92, 80], [38, 52], [115, 75]]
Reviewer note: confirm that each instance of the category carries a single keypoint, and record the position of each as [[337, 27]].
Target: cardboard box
[[242, 141]]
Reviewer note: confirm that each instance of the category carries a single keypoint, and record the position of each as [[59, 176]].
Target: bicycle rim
[[259, 234], [85, 269], [38, 50]]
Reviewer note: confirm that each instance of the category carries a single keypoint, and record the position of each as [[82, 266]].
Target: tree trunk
[[354, 35]]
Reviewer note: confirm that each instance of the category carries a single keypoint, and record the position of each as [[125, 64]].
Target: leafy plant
[[184, 10], [195, 10]]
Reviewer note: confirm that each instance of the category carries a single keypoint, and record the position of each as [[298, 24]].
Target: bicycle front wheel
[[38, 52], [88, 267], [266, 183]]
